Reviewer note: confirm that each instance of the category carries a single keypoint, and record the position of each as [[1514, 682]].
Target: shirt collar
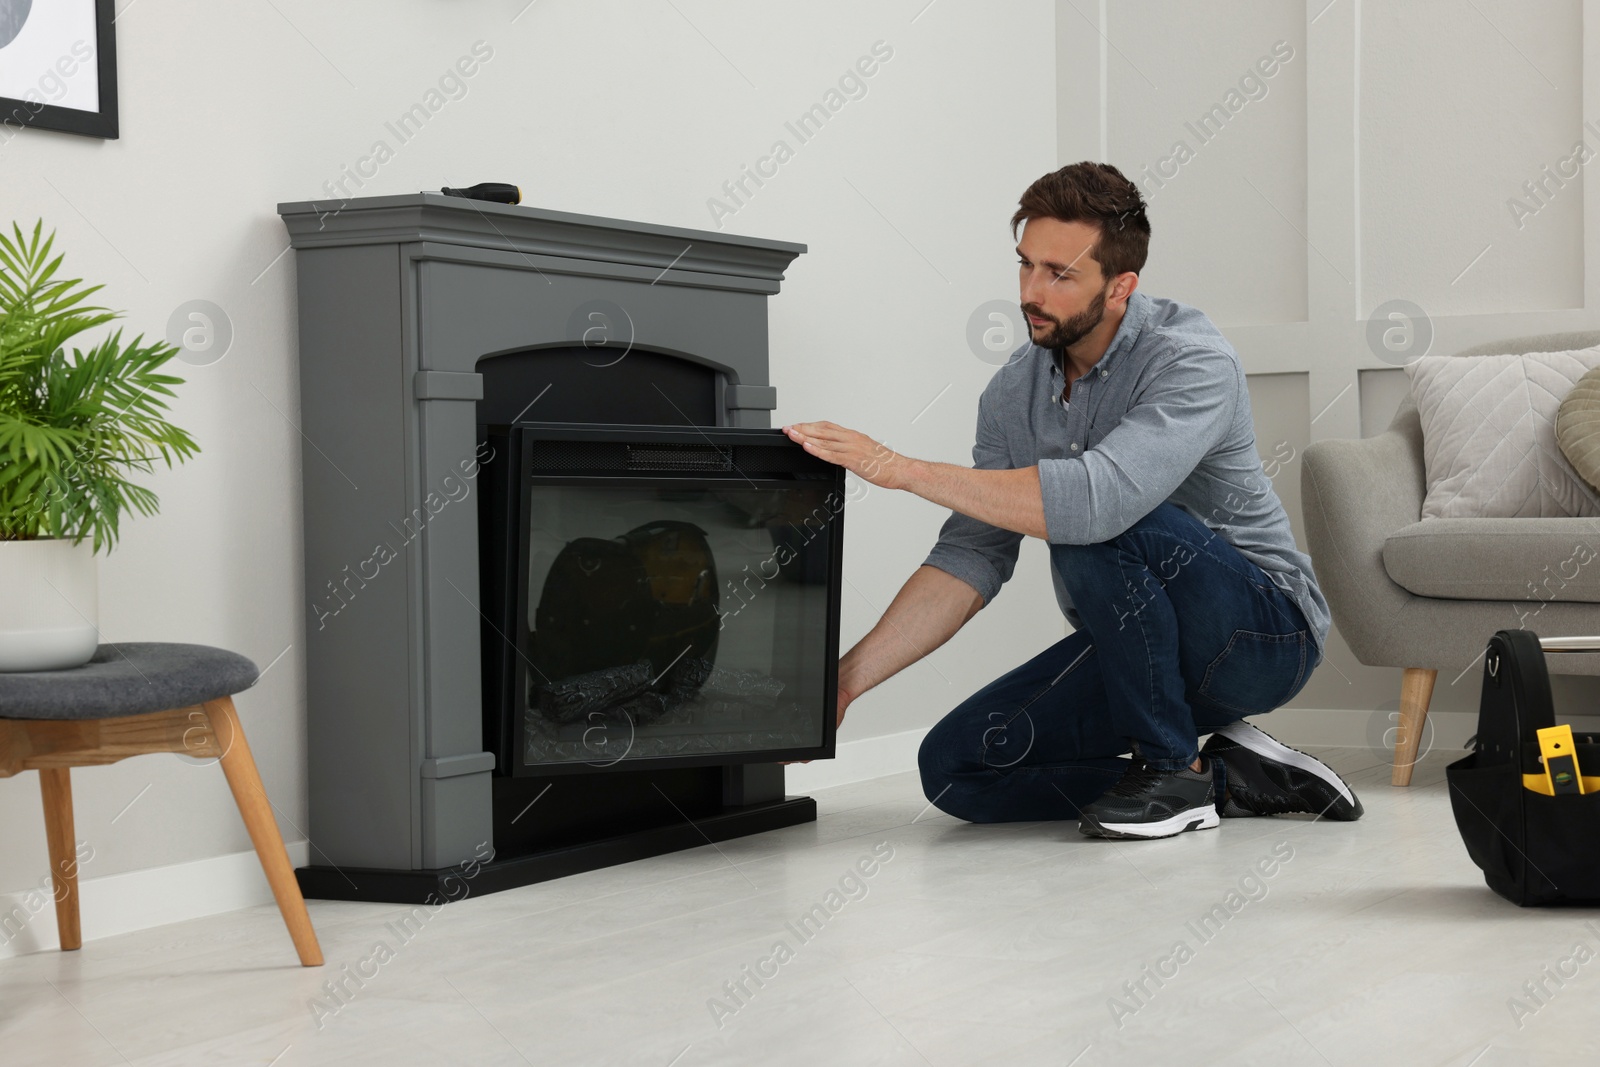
[[1133, 320]]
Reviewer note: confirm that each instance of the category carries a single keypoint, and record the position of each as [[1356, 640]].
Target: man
[[1122, 436]]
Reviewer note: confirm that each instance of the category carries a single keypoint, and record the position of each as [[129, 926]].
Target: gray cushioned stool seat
[[127, 679]]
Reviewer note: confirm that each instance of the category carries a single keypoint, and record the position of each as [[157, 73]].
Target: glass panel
[[672, 621]]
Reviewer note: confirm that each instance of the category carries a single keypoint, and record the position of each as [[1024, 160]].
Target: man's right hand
[[930, 607], [844, 702]]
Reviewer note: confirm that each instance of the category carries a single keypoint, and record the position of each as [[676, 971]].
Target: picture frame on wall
[[58, 67]]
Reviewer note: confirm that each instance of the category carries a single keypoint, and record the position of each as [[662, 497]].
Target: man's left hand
[[856, 452]]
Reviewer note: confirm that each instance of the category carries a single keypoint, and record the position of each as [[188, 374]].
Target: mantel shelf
[[435, 217]]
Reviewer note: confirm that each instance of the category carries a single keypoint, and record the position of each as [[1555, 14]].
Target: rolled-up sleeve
[[982, 555], [1180, 415]]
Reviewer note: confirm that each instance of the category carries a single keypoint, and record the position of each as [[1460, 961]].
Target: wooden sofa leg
[[56, 785], [245, 780], [1416, 690]]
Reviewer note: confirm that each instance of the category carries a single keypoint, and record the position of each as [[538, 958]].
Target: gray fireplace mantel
[[580, 244], [400, 298]]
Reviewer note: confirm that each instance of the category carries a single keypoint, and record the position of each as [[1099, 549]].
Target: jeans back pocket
[[1256, 672]]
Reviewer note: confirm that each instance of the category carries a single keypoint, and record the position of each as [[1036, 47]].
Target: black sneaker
[[1264, 776], [1147, 802]]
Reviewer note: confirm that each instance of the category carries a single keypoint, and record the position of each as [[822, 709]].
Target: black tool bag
[[1532, 848]]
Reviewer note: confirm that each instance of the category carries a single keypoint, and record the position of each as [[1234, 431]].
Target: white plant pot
[[49, 604]]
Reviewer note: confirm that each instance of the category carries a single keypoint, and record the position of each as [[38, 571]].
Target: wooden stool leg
[[1416, 690], [240, 768], [56, 785]]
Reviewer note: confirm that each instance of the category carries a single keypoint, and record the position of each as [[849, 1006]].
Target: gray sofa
[[1427, 596]]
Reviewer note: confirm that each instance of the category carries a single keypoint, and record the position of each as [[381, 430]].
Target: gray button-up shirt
[[1164, 415]]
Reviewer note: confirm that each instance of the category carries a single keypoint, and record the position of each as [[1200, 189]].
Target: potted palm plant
[[72, 428]]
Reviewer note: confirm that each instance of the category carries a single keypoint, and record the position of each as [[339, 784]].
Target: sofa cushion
[[1497, 559], [1578, 428], [1488, 435]]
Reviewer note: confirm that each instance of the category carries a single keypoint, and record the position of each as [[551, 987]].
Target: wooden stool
[[128, 700]]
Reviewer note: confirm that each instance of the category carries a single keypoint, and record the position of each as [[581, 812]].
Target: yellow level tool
[[1561, 775]]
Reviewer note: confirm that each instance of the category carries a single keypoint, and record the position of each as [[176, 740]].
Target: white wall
[[633, 109]]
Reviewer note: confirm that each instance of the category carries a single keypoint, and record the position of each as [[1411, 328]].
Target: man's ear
[[1124, 286]]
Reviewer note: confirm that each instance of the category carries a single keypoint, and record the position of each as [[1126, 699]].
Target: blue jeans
[[1181, 635]]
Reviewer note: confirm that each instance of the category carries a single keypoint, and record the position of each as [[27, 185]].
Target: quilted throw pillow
[[1488, 435]]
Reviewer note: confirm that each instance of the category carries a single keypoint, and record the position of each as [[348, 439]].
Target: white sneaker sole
[[1262, 743], [1194, 819]]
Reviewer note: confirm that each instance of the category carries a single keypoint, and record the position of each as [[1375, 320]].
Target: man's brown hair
[[1095, 193]]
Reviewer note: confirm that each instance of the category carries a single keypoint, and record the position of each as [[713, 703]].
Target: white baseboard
[[1445, 732], [875, 757], [1361, 728], [138, 900], [857, 761]]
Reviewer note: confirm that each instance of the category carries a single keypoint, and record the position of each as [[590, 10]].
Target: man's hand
[[1010, 499], [844, 702], [854, 451]]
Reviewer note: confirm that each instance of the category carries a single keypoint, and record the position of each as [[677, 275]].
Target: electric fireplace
[[657, 596], [570, 600]]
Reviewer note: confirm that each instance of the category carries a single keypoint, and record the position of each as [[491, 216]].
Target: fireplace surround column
[[400, 300]]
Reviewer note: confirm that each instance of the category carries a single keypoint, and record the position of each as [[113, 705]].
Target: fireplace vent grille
[[564, 456], [680, 457]]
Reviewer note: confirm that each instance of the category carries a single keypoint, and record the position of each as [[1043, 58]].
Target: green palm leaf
[[73, 427]]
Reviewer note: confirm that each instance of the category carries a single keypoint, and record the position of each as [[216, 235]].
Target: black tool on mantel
[[496, 192]]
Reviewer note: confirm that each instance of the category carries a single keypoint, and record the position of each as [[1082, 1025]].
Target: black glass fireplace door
[[676, 599]]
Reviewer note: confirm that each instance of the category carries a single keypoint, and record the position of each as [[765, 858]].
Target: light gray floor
[[1376, 943]]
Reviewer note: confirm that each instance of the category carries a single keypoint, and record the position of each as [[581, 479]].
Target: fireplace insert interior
[[657, 596]]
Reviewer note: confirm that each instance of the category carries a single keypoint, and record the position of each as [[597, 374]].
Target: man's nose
[[1033, 288]]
